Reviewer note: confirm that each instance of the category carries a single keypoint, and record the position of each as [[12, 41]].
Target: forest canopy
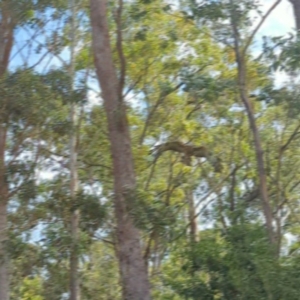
[[149, 149]]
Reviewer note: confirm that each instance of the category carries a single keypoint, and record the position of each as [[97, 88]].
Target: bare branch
[[263, 19], [296, 131]]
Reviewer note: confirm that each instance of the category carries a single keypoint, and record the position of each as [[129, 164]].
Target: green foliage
[[236, 265], [32, 289], [282, 52], [100, 276], [150, 211], [181, 85]]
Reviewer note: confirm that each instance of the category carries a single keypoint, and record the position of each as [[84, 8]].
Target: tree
[[6, 40], [181, 114], [240, 54], [296, 8], [132, 267], [74, 184], [27, 104]]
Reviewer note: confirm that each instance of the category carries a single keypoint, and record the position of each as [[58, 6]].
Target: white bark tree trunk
[[4, 258], [74, 259]]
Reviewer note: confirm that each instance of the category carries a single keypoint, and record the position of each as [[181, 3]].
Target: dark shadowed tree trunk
[[6, 42], [296, 8], [132, 267]]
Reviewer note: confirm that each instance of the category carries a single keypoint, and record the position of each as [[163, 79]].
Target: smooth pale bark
[[296, 9], [132, 267], [75, 216], [74, 259], [4, 259], [192, 217]]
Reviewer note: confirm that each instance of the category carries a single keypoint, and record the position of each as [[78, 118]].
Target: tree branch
[[263, 19], [284, 147]]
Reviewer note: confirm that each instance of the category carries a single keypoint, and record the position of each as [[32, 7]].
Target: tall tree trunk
[[192, 218], [74, 259], [6, 36], [6, 43], [194, 233], [75, 216], [4, 259], [296, 8], [258, 152], [242, 85], [132, 266]]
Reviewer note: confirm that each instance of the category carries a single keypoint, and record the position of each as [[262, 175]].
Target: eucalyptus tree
[[26, 106], [238, 37], [133, 270], [13, 14], [74, 184], [185, 123]]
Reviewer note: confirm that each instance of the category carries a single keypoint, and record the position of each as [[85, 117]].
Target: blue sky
[[281, 19], [279, 23]]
